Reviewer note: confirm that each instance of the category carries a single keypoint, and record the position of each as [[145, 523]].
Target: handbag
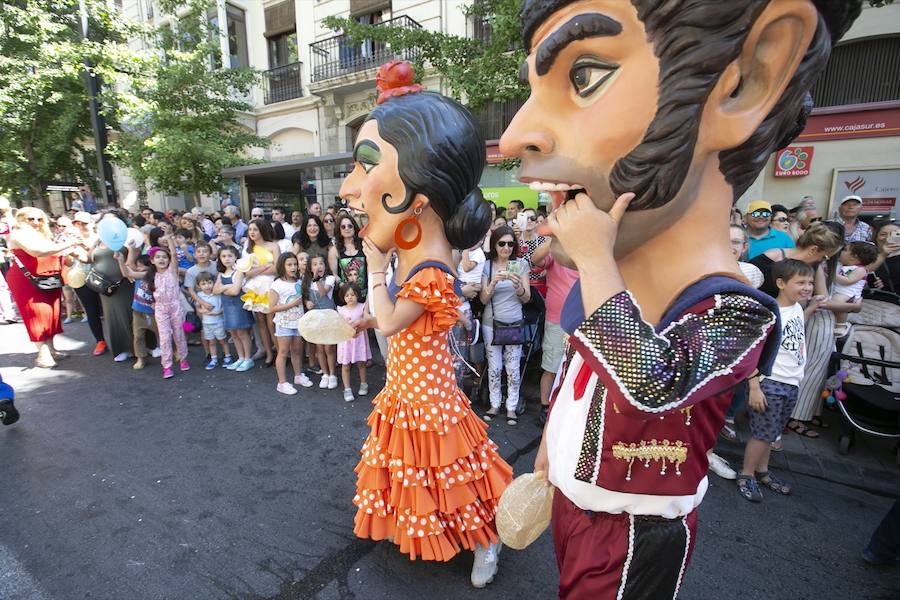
[[100, 284], [44, 283], [506, 334]]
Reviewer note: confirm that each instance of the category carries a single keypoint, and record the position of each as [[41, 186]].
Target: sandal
[[728, 431], [512, 419], [749, 488], [777, 445], [800, 429], [818, 422], [490, 414], [773, 483]]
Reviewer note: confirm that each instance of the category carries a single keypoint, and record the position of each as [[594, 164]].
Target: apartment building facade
[[318, 87]]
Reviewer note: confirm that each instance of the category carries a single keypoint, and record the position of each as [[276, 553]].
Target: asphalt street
[[119, 485]]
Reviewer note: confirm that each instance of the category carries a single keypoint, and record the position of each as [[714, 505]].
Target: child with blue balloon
[[286, 299]]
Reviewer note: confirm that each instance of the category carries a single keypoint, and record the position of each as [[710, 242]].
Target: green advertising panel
[[502, 195]]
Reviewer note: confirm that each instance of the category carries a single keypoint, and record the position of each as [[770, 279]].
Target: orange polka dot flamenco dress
[[430, 478]]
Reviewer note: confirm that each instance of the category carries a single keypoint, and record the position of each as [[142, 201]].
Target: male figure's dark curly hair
[[695, 41]]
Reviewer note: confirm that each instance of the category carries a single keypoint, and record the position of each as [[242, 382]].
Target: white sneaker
[[720, 467], [122, 357], [332, 382], [303, 380], [323, 383], [348, 395], [364, 389], [485, 566], [286, 388], [156, 353]]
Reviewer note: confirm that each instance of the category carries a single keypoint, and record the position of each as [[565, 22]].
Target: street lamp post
[[98, 123]]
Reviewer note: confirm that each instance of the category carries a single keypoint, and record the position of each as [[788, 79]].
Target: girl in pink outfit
[[167, 308], [354, 351]]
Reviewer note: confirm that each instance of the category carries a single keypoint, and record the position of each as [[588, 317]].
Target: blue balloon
[[113, 232]]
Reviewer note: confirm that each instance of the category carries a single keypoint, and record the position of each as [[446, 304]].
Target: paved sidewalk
[[869, 466]]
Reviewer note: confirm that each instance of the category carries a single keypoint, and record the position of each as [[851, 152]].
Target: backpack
[[874, 343]]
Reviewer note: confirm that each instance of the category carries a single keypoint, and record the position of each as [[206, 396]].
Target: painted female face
[[253, 233], [375, 184], [505, 246], [312, 229]]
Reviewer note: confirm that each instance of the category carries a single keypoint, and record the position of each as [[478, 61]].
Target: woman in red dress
[[430, 478], [34, 251]]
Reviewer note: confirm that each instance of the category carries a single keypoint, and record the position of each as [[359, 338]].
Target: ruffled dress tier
[[430, 478]]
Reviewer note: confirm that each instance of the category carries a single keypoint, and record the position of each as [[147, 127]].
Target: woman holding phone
[[504, 289]]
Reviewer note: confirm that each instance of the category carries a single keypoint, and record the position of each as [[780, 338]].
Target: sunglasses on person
[[505, 244], [761, 213], [532, 218], [781, 220], [816, 220], [328, 221], [345, 225]]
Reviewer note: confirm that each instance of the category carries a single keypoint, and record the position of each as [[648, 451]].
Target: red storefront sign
[[795, 161], [881, 119]]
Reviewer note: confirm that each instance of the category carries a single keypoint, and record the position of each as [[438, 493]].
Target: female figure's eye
[[368, 155], [588, 76]]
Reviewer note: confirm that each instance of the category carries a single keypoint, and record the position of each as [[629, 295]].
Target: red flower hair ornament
[[395, 79]]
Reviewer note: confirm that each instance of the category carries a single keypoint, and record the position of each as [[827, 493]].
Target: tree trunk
[[38, 198]]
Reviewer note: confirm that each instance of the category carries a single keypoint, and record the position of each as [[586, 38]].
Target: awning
[[284, 174]]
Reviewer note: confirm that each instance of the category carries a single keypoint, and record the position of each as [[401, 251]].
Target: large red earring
[[403, 244]]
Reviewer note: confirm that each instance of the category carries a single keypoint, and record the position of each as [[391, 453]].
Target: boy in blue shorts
[[772, 399]]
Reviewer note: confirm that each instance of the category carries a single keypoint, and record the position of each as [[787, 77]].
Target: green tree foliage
[[477, 71], [180, 117], [43, 100]]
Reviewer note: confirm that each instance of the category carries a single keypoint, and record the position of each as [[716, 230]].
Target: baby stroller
[[870, 355]]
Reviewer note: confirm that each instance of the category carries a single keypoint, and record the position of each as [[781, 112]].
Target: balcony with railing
[[338, 55], [283, 83]]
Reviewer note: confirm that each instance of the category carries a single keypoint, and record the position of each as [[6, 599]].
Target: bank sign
[[794, 161], [878, 188]]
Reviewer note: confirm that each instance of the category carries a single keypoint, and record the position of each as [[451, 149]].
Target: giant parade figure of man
[[647, 119]]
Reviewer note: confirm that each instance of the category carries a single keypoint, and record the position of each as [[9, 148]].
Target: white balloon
[[135, 239]]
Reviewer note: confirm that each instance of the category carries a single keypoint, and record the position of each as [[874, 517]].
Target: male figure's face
[[147, 214], [278, 215], [591, 102], [315, 209], [512, 211], [257, 213], [849, 210], [296, 219]]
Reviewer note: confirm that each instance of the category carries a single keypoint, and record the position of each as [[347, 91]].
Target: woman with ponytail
[[430, 478]]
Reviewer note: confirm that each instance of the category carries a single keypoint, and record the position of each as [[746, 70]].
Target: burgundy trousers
[[603, 556]]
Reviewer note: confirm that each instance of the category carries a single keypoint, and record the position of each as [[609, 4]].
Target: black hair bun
[[469, 222]]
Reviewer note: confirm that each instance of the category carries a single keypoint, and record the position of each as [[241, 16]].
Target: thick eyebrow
[[365, 143], [577, 28]]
